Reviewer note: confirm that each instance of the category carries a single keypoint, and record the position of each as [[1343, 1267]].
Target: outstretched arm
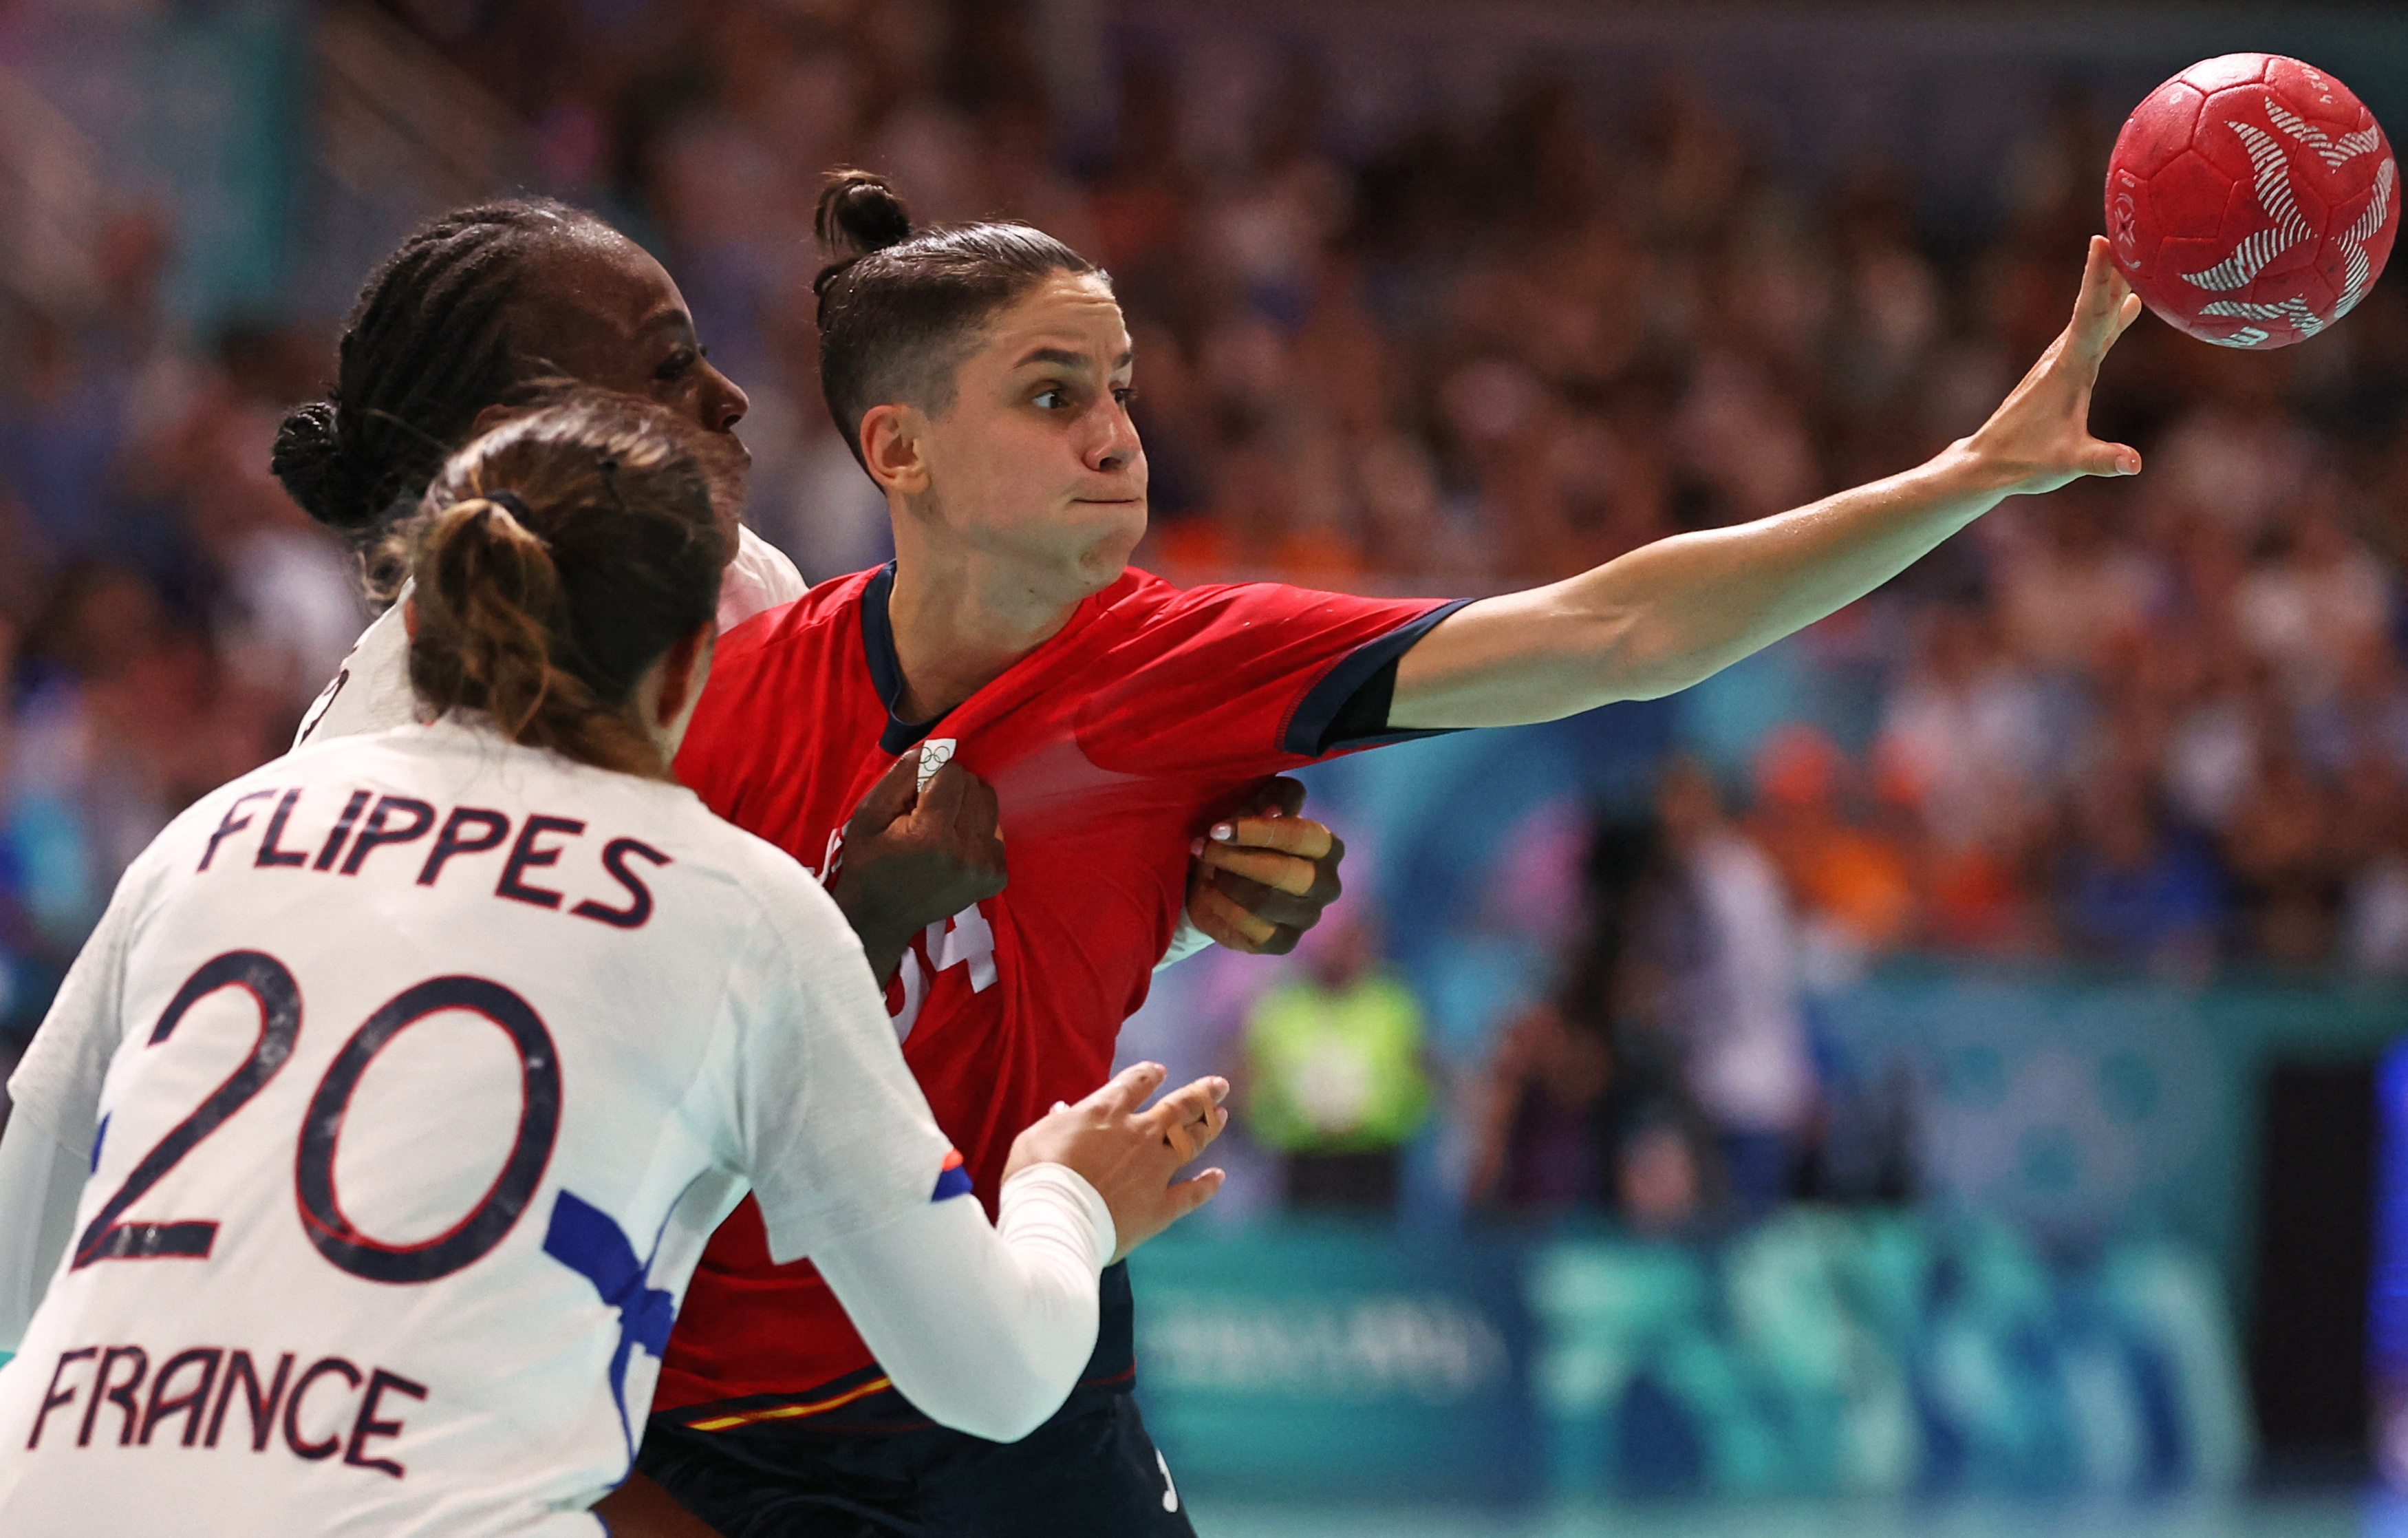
[[1673, 612]]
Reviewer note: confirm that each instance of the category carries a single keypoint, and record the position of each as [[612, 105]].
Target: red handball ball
[[2252, 200]]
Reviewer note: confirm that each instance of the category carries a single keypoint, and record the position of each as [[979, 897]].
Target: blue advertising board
[[1337, 1362], [1824, 1352]]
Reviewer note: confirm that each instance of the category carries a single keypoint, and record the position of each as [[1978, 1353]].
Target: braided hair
[[425, 349]]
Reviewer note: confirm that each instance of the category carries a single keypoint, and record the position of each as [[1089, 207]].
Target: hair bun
[[858, 213], [311, 459]]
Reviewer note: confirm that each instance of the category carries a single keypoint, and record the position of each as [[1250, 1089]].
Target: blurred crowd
[[166, 611], [2161, 723]]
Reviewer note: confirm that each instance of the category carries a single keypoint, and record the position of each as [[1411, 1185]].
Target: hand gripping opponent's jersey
[[1153, 712], [417, 1068]]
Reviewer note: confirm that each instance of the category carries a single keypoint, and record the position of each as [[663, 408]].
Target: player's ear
[[410, 618], [893, 447], [490, 417]]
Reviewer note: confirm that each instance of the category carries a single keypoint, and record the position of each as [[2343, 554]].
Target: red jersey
[[1152, 713]]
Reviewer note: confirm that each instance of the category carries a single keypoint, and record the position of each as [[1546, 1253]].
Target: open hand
[[1129, 1154], [2039, 438], [914, 858], [1262, 879]]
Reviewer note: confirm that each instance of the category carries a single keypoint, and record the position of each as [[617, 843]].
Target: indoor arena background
[[2016, 1159]]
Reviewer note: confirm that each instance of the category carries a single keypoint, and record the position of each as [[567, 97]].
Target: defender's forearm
[[40, 1181]]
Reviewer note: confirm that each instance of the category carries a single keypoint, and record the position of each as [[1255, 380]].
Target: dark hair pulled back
[[898, 308], [556, 559], [425, 349]]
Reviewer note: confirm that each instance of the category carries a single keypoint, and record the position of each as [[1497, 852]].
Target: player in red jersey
[[448, 333], [982, 374]]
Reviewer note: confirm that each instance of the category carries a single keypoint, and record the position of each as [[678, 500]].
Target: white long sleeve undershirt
[[39, 1184], [984, 1330]]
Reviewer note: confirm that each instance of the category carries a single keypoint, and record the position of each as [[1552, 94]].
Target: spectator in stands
[[1850, 878], [1587, 1103], [1749, 1067], [1334, 1075], [2136, 889]]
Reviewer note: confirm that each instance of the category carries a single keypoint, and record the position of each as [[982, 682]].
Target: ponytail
[[556, 560], [858, 212]]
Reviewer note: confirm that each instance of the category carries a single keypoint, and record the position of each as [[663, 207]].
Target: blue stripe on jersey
[[99, 1136], [589, 1242], [952, 1180]]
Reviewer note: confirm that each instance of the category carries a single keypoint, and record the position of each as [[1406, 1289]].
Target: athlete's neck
[[957, 627]]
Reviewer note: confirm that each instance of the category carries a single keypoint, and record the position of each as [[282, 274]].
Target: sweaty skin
[[1671, 613], [1044, 490], [596, 307], [1044, 498]]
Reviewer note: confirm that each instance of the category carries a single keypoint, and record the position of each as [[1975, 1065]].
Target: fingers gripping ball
[[2252, 200]]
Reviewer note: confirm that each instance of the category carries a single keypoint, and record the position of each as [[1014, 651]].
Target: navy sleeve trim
[[1317, 727], [878, 637]]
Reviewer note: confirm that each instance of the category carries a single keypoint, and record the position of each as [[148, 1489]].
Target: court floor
[[2324, 1516]]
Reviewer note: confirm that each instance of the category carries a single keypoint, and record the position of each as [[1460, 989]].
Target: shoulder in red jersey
[[1250, 677], [784, 687], [1109, 747]]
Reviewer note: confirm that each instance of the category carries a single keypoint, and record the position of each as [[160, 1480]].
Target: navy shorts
[[877, 1468]]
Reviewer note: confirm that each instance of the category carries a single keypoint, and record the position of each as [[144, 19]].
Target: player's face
[[1037, 458], [596, 308]]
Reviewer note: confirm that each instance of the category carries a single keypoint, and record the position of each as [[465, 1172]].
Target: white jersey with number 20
[[417, 1068]]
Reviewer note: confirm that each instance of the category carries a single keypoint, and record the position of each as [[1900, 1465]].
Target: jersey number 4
[[272, 987], [966, 940]]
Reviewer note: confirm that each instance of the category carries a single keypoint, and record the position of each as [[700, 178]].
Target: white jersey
[[371, 692], [417, 1068]]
